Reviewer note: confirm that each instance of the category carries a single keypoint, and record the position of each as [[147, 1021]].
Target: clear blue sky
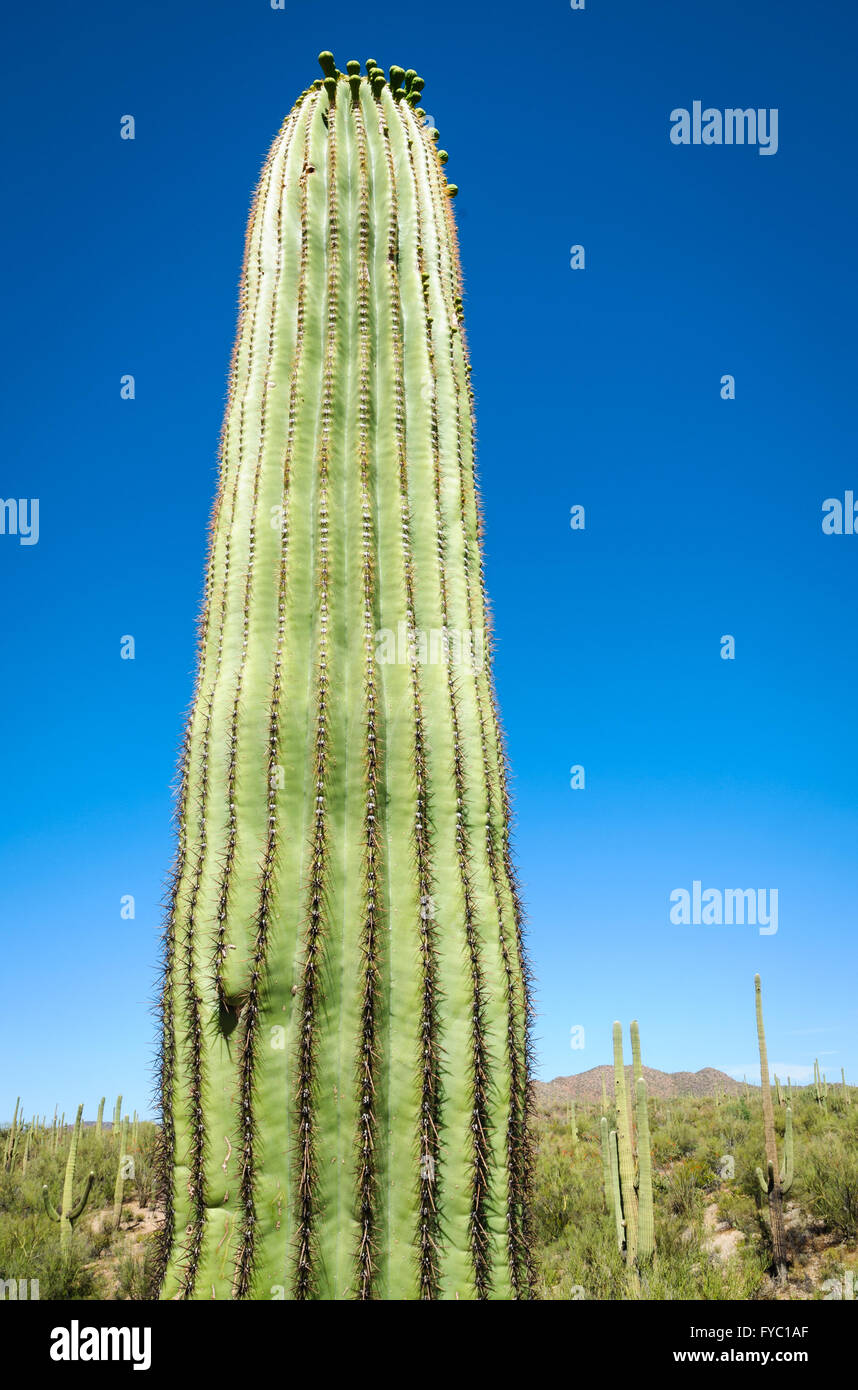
[[599, 387]]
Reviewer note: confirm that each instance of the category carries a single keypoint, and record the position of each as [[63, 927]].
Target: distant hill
[[587, 1085]]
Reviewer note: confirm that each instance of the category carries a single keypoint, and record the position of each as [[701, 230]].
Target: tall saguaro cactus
[[345, 996], [625, 1150], [626, 1167], [773, 1183]]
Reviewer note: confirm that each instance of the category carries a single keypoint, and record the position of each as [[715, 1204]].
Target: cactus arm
[[48, 1204], [78, 1207], [637, 1065]]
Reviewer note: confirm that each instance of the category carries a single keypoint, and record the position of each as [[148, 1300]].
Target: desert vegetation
[[77, 1208], [747, 1195], [635, 1195]]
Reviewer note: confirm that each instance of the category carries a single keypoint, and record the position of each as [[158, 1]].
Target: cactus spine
[[69, 1210], [773, 1184], [345, 1014]]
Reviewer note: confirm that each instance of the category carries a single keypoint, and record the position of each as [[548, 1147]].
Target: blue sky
[[598, 387]]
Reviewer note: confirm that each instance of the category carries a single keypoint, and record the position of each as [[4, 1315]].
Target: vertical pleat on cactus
[[345, 1050]]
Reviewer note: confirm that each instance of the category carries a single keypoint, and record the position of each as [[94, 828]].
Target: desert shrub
[[135, 1274], [683, 1137], [682, 1187], [740, 1210], [830, 1183], [29, 1249]]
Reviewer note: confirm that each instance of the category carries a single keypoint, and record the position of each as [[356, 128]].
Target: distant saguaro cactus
[[646, 1215], [573, 1123], [774, 1183], [345, 1015], [69, 1210], [121, 1174], [11, 1138], [630, 1160], [605, 1142], [625, 1150]]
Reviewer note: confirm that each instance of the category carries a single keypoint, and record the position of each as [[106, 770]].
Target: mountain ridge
[[587, 1085]]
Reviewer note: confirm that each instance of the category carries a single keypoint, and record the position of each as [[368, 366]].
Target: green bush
[[830, 1183]]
